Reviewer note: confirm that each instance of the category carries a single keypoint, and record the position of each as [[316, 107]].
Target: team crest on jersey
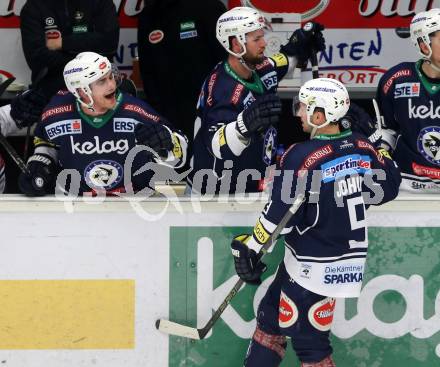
[[64, 127], [270, 145], [428, 144], [321, 314], [103, 174], [406, 90], [124, 125], [287, 311], [345, 166]]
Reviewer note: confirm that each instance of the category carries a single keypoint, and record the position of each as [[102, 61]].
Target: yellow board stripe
[[67, 314]]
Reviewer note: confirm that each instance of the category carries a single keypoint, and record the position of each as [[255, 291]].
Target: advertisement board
[[82, 283]]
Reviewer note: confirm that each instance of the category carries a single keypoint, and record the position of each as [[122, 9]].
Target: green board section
[[396, 325]]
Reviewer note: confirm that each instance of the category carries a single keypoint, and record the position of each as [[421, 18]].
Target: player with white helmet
[[326, 239], [238, 109], [408, 96], [91, 129]]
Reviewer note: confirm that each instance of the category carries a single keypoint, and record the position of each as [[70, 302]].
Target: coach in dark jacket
[[177, 49], [53, 32]]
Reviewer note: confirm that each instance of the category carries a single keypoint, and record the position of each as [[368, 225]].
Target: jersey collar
[[255, 86], [432, 88], [333, 136], [99, 121]]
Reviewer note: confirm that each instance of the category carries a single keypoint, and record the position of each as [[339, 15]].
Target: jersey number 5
[[352, 203]]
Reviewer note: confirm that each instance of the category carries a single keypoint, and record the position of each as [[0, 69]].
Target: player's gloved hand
[[156, 136], [358, 120], [262, 113], [41, 178], [26, 107], [246, 261], [303, 41]]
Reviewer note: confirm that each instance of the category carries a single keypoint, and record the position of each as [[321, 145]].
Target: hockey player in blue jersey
[[409, 96], [91, 129], [326, 240], [235, 132]]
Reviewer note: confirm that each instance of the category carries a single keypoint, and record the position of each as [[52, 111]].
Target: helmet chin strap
[[245, 64]]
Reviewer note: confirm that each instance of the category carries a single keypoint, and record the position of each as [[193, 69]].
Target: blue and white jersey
[[97, 147], [410, 104], [217, 146], [326, 240]]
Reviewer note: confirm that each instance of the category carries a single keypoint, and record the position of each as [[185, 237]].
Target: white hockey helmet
[[237, 22], [422, 25], [84, 69], [328, 94]]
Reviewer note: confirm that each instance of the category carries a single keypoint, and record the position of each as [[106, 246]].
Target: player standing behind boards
[[91, 129], [235, 132], [409, 96]]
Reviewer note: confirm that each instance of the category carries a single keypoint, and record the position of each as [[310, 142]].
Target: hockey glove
[[246, 261], [262, 113], [156, 136], [41, 178], [303, 41], [26, 107]]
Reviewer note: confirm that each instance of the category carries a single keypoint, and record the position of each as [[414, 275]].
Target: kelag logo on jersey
[[347, 165], [65, 127], [403, 90], [124, 125]]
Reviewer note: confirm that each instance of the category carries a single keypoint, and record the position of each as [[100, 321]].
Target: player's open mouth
[[111, 95]]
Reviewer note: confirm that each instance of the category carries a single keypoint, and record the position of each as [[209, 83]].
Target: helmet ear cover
[[83, 70], [237, 22]]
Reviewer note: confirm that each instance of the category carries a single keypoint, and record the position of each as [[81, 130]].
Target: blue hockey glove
[[303, 41], [26, 107], [41, 178], [156, 136], [246, 261], [262, 113]]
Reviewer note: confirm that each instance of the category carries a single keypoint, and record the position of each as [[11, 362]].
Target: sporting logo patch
[[321, 314], [345, 166], [103, 174], [406, 90], [65, 127], [287, 311]]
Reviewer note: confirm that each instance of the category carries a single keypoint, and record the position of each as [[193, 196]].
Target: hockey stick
[[5, 85], [314, 62], [11, 151], [38, 79], [174, 328]]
